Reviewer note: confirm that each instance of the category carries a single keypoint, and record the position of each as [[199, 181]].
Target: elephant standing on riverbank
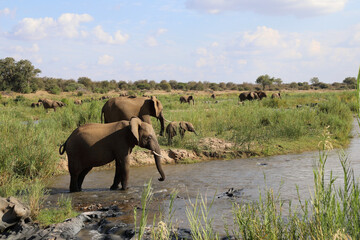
[[187, 99], [95, 144], [248, 96], [124, 108], [261, 94], [47, 103], [182, 127]]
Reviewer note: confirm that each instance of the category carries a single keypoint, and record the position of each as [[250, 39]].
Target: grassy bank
[[331, 213], [31, 137]]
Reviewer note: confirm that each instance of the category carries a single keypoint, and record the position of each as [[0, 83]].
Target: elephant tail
[[62, 148]]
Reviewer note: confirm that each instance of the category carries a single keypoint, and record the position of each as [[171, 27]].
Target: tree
[[86, 82], [265, 80], [315, 81], [164, 85], [278, 81], [17, 76], [350, 82]]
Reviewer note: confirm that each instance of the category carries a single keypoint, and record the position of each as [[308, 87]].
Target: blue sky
[[189, 40]]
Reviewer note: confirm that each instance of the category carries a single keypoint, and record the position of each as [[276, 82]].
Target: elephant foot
[[75, 190], [114, 187]]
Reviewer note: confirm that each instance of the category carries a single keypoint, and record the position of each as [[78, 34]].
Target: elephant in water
[[182, 127], [96, 144], [124, 108], [47, 103]]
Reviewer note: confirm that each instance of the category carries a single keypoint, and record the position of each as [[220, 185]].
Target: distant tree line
[[22, 76]]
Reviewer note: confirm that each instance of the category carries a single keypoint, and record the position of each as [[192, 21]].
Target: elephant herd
[[256, 95], [125, 123]]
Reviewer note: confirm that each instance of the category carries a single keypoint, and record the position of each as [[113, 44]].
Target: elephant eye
[[149, 137]]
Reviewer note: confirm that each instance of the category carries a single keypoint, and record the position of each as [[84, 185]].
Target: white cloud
[[202, 51], [151, 41], [105, 60], [33, 49], [5, 12], [161, 31], [35, 29], [315, 48], [273, 7], [105, 37], [67, 25], [263, 37]]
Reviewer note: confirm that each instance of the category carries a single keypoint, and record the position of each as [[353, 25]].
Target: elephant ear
[[183, 125], [134, 126], [156, 108]]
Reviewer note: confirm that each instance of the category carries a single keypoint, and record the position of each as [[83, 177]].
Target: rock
[[180, 154], [12, 211]]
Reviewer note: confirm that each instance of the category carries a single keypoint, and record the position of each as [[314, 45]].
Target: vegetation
[[31, 137], [22, 77], [331, 213]]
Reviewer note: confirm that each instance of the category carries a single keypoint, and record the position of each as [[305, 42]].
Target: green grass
[[63, 211], [31, 137]]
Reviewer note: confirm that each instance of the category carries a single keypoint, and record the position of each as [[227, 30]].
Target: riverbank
[[226, 130]]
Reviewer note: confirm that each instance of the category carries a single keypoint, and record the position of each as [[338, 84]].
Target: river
[[211, 179]]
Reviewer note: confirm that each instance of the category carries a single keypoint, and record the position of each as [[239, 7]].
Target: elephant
[[95, 144], [276, 95], [47, 103], [38, 104], [248, 96], [261, 94], [182, 127], [187, 99], [78, 102], [123, 108]]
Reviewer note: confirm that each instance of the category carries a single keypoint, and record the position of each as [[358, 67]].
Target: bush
[[54, 90]]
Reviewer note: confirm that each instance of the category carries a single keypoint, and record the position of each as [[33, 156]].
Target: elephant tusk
[[156, 154], [166, 120]]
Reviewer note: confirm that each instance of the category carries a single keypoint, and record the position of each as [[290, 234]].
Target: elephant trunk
[[162, 123], [157, 157]]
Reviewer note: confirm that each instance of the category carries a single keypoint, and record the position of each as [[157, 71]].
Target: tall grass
[[30, 137]]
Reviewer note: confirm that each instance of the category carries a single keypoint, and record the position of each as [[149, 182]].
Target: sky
[[184, 40]]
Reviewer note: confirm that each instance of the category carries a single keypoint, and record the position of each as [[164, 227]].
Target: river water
[[211, 180]]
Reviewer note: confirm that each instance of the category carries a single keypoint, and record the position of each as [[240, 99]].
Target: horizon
[[192, 40]]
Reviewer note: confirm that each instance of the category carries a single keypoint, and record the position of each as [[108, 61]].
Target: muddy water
[[212, 180]]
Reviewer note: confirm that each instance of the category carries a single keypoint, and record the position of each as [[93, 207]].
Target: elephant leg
[[82, 176], [121, 173], [74, 187]]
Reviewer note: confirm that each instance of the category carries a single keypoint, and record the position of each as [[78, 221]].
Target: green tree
[[17, 76], [350, 82], [86, 82], [315, 81], [265, 80], [164, 85]]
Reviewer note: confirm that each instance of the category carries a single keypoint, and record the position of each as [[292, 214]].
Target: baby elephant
[[92, 145], [182, 127]]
